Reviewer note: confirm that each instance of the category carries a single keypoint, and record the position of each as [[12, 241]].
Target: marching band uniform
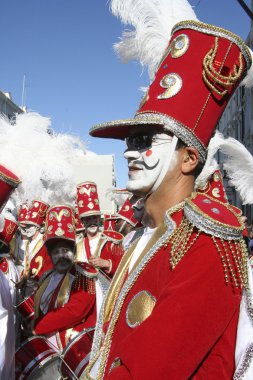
[[106, 245], [7, 266], [8, 182], [36, 260], [172, 309], [64, 303]]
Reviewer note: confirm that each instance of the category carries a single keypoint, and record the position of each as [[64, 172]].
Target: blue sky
[[72, 74]]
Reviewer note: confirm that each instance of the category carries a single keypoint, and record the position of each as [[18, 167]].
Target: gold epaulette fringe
[[85, 283], [182, 240], [233, 256]]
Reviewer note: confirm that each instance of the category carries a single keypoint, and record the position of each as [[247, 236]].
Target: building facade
[[237, 122], [7, 106]]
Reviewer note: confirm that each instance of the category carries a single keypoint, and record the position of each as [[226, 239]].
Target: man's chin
[[137, 187]]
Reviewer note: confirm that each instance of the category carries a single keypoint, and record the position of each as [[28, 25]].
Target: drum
[[37, 359], [26, 308], [76, 355]]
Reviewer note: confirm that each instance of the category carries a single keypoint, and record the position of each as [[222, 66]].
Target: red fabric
[[87, 247], [191, 332], [46, 263], [80, 310], [113, 252]]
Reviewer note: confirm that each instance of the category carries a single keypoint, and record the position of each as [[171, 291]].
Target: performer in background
[[172, 309], [103, 250], [36, 260], [65, 300]]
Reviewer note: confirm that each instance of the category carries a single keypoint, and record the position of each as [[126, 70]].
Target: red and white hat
[[87, 199], [60, 224], [198, 73], [35, 214], [9, 229], [23, 211], [109, 221], [214, 187], [126, 213], [8, 182]]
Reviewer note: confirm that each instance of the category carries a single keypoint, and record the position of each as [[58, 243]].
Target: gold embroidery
[[140, 308]]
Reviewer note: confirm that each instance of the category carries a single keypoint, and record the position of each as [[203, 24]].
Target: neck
[[92, 236], [168, 194]]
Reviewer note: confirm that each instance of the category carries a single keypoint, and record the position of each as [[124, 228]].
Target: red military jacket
[[109, 248], [73, 308], [174, 316]]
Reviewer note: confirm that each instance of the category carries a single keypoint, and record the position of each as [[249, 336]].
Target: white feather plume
[[152, 22], [237, 162], [42, 160], [117, 196]]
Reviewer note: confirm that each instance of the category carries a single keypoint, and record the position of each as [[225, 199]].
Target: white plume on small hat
[[41, 158]]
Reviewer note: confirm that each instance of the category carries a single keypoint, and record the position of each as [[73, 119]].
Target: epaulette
[[86, 269], [44, 276], [86, 277], [113, 236], [213, 217]]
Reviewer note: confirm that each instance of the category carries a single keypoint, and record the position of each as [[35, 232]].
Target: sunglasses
[[143, 142]]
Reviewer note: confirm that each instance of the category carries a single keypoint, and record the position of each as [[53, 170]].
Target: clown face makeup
[[29, 230], [62, 257], [149, 159], [91, 224]]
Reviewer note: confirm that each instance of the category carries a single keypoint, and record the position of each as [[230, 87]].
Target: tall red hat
[[36, 214], [198, 73], [22, 214], [9, 229], [8, 182], [214, 187], [87, 199], [126, 213], [60, 224], [109, 221]]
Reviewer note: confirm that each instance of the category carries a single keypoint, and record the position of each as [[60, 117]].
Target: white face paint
[[30, 230], [148, 165], [62, 258], [91, 224]]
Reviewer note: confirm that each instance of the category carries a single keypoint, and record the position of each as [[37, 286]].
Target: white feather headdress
[[152, 21], [41, 158]]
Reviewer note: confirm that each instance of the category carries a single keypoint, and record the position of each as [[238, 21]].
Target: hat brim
[[120, 129]]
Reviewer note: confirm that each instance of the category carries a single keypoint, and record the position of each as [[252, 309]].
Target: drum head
[[49, 371]]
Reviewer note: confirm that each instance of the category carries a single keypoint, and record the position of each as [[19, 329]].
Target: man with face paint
[[172, 309], [65, 300], [36, 260], [103, 250]]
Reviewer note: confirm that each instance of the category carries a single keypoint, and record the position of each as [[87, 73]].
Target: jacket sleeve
[[192, 312], [74, 312], [113, 252]]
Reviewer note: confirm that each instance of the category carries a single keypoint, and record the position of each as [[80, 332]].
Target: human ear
[[190, 160]]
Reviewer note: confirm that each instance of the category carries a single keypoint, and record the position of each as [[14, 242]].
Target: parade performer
[[7, 265], [65, 300], [103, 250], [172, 309], [8, 183], [36, 260]]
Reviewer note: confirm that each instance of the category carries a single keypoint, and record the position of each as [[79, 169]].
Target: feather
[[248, 80], [118, 196], [152, 22], [42, 159]]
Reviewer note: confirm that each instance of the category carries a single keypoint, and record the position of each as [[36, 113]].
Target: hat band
[[179, 129]]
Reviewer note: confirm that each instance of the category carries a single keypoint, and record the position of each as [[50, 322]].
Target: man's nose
[[132, 154]]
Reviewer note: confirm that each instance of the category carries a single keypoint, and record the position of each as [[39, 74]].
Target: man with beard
[[172, 309], [102, 250], [65, 301], [36, 260]]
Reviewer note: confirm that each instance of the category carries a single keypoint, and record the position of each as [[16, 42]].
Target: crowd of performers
[[58, 262], [173, 299]]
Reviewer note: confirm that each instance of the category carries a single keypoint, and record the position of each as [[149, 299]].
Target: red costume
[[72, 305], [174, 313]]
